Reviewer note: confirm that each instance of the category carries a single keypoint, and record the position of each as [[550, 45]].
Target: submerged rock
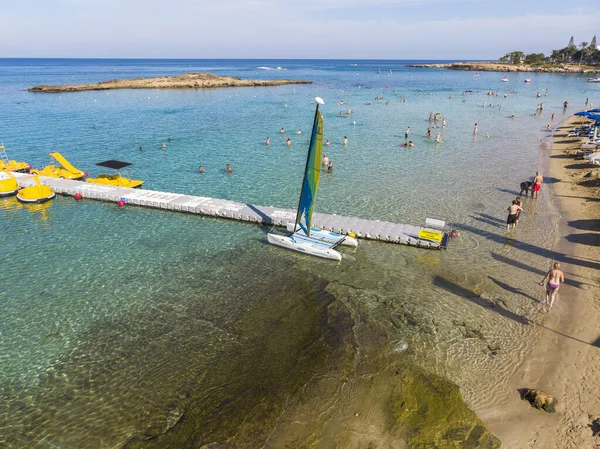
[[539, 399], [430, 411]]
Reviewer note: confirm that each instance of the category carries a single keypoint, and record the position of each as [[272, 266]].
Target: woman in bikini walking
[[555, 277]]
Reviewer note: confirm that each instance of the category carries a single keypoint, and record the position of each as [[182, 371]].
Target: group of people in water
[[515, 209], [228, 169], [554, 277]]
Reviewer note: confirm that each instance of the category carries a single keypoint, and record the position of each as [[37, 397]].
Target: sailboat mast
[[310, 145]]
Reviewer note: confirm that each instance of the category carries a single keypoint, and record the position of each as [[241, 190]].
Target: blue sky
[[353, 29]]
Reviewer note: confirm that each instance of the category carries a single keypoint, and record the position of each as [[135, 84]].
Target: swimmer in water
[[141, 149], [438, 138], [327, 142], [298, 132], [228, 168], [268, 141], [513, 116], [281, 131], [164, 145], [288, 142], [330, 167], [201, 169], [345, 140], [411, 144], [487, 136], [325, 160]]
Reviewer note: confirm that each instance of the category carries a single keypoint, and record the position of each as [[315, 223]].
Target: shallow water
[[117, 320]]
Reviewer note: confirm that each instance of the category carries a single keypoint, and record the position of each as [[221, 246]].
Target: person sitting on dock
[[201, 169], [228, 168]]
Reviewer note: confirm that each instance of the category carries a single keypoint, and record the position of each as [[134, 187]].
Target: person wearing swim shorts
[[555, 277], [537, 185], [520, 204], [513, 214]]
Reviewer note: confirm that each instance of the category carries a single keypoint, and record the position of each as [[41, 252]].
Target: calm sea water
[[111, 313]]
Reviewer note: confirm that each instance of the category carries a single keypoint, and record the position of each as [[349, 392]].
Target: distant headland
[[505, 67], [582, 58], [185, 81]]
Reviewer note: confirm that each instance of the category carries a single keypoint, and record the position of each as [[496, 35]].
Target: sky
[[292, 29]]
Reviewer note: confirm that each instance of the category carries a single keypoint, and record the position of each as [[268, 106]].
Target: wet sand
[[565, 359]]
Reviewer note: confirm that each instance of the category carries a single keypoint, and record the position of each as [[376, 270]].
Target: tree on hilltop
[[516, 57], [583, 46], [535, 59]]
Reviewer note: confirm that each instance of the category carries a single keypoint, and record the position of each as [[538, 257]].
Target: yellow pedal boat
[[115, 180], [10, 165], [65, 171], [8, 184], [37, 193]]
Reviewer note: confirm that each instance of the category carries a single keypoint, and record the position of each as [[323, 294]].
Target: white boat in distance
[[594, 80], [505, 79], [304, 238]]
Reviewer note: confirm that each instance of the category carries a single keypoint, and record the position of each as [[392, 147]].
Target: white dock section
[[367, 229]]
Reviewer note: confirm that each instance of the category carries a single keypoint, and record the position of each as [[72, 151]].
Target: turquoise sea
[[143, 328]]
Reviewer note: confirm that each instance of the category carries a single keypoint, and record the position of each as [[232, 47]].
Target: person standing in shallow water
[[555, 277], [537, 185], [513, 215]]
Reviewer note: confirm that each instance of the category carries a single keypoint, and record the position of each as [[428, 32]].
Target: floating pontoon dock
[[367, 229]]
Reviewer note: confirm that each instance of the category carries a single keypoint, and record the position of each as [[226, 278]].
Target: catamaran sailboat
[[303, 237]]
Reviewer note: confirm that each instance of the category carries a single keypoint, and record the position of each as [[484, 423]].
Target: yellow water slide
[[67, 165]]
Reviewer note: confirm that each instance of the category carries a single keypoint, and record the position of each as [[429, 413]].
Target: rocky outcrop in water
[[539, 399], [185, 81]]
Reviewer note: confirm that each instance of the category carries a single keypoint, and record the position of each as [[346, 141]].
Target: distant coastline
[[184, 81], [504, 67]]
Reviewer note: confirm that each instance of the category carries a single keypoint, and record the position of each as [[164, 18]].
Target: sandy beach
[[565, 361]]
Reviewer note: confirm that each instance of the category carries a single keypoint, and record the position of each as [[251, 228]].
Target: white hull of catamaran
[[327, 236], [304, 245]]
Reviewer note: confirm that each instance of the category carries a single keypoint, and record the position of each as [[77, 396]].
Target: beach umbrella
[[583, 113], [594, 110], [593, 116]]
